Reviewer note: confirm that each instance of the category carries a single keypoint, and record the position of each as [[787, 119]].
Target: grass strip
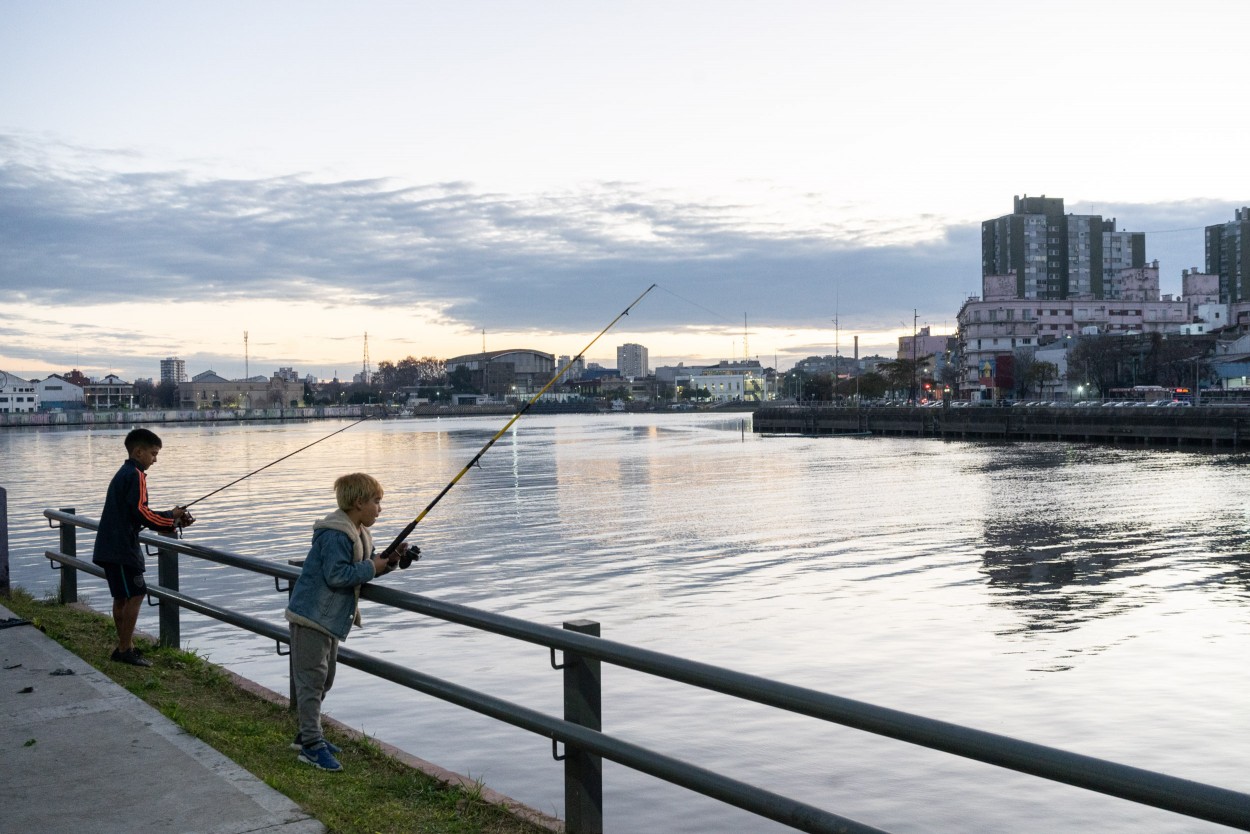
[[374, 793]]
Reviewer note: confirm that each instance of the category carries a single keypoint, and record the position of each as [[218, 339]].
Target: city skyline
[[172, 176]]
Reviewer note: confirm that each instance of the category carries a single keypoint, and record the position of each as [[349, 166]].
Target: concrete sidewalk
[[80, 754]]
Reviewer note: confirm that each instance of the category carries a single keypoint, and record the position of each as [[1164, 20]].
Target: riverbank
[[381, 788], [84, 418]]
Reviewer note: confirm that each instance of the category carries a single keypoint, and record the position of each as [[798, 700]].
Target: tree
[[145, 393], [1040, 374], [872, 385], [951, 377], [1023, 367], [167, 394], [461, 380], [385, 376], [430, 370], [1104, 361], [903, 374]]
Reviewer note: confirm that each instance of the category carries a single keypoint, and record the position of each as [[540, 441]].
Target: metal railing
[[580, 728]]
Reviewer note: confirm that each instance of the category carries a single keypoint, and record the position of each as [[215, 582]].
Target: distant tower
[[1228, 256], [366, 373], [1055, 256], [247, 371], [632, 361], [173, 371], [746, 352]]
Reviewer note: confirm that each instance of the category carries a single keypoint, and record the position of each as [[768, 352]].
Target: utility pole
[[836, 354], [915, 317], [247, 369]]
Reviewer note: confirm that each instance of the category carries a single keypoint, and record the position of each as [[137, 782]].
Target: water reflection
[[993, 584]]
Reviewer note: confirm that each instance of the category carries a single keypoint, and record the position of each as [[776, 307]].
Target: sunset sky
[[441, 175]]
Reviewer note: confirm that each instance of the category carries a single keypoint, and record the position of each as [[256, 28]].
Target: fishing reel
[[412, 554]]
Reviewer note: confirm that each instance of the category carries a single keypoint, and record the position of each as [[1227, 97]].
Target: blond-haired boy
[[325, 603]]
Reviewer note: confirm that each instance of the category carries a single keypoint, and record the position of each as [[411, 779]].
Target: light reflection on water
[[1089, 598]]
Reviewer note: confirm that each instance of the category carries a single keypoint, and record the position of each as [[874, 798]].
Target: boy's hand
[[380, 565], [182, 518]]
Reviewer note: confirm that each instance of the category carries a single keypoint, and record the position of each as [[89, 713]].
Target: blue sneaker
[[298, 744], [320, 757]]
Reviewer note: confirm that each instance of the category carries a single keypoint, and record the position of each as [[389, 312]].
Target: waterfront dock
[[1209, 426]]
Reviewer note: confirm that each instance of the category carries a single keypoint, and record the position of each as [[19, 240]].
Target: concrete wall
[[204, 415]]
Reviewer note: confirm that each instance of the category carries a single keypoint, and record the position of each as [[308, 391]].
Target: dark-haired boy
[[117, 550]]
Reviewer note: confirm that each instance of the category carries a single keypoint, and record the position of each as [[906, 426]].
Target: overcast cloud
[[520, 263]]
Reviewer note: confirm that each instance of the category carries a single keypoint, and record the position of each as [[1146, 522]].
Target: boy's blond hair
[[351, 489]]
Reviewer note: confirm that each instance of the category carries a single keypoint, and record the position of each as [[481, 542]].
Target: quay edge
[[1215, 427]]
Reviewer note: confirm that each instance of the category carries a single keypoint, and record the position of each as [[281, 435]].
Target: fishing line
[[279, 460], [414, 552], [695, 303]]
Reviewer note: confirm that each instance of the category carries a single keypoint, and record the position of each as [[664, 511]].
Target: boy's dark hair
[[142, 439]]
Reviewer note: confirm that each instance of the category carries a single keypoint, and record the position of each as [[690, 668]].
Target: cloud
[[556, 262], [92, 236]]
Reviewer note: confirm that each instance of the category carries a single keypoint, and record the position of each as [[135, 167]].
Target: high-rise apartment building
[[1055, 256], [576, 372], [1228, 256], [173, 371], [631, 361]]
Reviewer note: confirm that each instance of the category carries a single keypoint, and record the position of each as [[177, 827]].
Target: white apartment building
[[577, 370], [17, 394], [173, 371], [999, 326], [632, 361], [733, 382]]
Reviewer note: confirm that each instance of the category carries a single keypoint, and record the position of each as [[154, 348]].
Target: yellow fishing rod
[[414, 552]]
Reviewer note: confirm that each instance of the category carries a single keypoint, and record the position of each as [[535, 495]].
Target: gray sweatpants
[[314, 655]]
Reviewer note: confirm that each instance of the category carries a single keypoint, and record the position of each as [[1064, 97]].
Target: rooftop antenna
[[365, 371], [247, 371], [745, 352], [483, 340]]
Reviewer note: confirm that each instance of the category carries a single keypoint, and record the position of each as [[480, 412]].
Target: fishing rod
[[279, 460], [412, 553]]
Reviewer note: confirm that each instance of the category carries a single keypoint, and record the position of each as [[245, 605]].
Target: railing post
[[4, 543], [167, 577], [583, 704], [69, 546], [290, 655]]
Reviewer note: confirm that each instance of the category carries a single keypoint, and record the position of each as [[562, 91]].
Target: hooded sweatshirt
[[326, 596]]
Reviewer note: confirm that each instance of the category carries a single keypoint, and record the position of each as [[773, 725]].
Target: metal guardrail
[[579, 730]]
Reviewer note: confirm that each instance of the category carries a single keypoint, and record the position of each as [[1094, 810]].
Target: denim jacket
[[327, 593]]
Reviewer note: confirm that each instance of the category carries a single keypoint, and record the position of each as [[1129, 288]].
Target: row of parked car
[[1085, 404], [1028, 404]]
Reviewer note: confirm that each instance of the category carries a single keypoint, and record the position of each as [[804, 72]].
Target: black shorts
[[125, 581]]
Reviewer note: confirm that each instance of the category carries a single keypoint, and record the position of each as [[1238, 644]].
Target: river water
[[1090, 598]]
